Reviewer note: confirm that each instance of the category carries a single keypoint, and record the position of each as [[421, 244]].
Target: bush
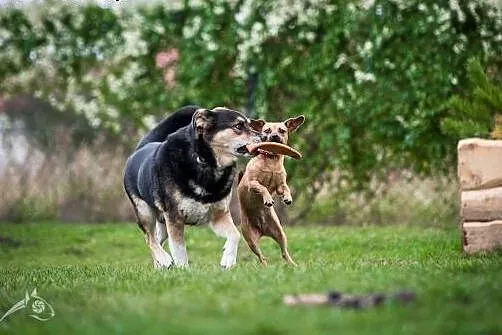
[[372, 78], [478, 111]]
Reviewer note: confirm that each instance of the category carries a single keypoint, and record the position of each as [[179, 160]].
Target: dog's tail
[[169, 125]]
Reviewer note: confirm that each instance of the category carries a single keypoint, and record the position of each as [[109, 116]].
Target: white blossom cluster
[[99, 93], [117, 71], [253, 32]]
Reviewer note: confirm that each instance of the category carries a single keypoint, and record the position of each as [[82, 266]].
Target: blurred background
[[387, 87]]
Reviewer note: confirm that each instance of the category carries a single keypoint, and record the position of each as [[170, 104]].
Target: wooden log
[[482, 236], [481, 205], [479, 163]]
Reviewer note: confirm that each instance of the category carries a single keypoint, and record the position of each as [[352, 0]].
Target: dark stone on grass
[[369, 300], [349, 301], [405, 296]]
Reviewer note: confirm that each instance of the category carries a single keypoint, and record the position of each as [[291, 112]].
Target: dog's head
[[226, 132], [278, 131]]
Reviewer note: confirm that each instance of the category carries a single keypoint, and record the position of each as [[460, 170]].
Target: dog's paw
[[227, 263], [268, 201], [162, 265], [162, 261], [182, 265], [288, 200]]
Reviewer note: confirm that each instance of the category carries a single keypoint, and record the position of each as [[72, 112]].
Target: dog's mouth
[[266, 153], [251, 150], [243, 150], [275, 138]]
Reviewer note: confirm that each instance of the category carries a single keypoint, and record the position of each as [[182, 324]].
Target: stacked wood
[[480, 176]]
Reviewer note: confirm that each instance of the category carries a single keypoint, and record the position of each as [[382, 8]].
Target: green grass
[[99, 279]]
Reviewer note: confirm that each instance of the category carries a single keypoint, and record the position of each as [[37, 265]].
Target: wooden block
[[481, 205], [479, 163], [482, 236]]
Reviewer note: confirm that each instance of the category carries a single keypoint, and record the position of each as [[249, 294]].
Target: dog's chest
[[271, 180], [194, 212]]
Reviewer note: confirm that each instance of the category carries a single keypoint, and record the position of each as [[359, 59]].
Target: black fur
[[169, 125]]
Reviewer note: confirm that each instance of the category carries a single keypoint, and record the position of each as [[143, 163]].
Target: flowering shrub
[[371, 77]]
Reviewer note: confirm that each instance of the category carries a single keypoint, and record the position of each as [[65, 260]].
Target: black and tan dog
[[182, 172], [264, 177]]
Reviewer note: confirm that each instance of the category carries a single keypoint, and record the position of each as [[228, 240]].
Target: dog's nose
[[275, 138]]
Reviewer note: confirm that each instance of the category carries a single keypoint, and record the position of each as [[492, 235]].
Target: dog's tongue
[[274, 148]]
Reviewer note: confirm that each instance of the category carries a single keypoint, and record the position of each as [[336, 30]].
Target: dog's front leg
[[223, 225], [176, 239], [256, 187], [286, 193]]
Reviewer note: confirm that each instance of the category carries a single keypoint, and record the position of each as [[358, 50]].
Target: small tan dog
[[264, 177]]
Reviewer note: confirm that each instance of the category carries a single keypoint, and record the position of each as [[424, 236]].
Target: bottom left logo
[[38, 307]]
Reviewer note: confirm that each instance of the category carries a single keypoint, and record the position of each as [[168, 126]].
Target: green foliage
[[372, 80], [32, 209], [99, 280], [473, 113]]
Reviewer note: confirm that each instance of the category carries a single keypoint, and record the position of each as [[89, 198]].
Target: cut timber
[[481, 205], [479, 163], [482, 236]]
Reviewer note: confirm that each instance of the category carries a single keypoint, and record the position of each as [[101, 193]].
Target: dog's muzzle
[[275, 138], [257, 138]]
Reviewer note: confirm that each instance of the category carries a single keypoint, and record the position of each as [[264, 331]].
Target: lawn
[[99, 279]]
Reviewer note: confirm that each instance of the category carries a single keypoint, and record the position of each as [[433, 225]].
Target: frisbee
[[275, 148]]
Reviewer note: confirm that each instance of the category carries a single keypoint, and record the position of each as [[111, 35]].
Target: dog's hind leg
[[275, 231], [147, 221], [176, 239], [252, 236], [223, 225]]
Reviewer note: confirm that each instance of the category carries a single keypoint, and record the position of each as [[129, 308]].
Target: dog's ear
[[201, 120], [257, 125], [294, 123]]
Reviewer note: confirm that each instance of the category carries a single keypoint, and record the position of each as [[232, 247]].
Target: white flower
[[389, 64], [218, 10], [112, 112], [191, 29], [244, 13], [457, 48], [212, 46], [454, 6], [310, 36], [342, 59], [361, 76], [159, 29], [149, 121]]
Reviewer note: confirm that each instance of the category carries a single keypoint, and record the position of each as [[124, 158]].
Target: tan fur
[[224, 145], [263, 178]]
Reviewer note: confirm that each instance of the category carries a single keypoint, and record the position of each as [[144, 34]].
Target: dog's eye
[[239, 126], [282, 131], [267, 131]]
